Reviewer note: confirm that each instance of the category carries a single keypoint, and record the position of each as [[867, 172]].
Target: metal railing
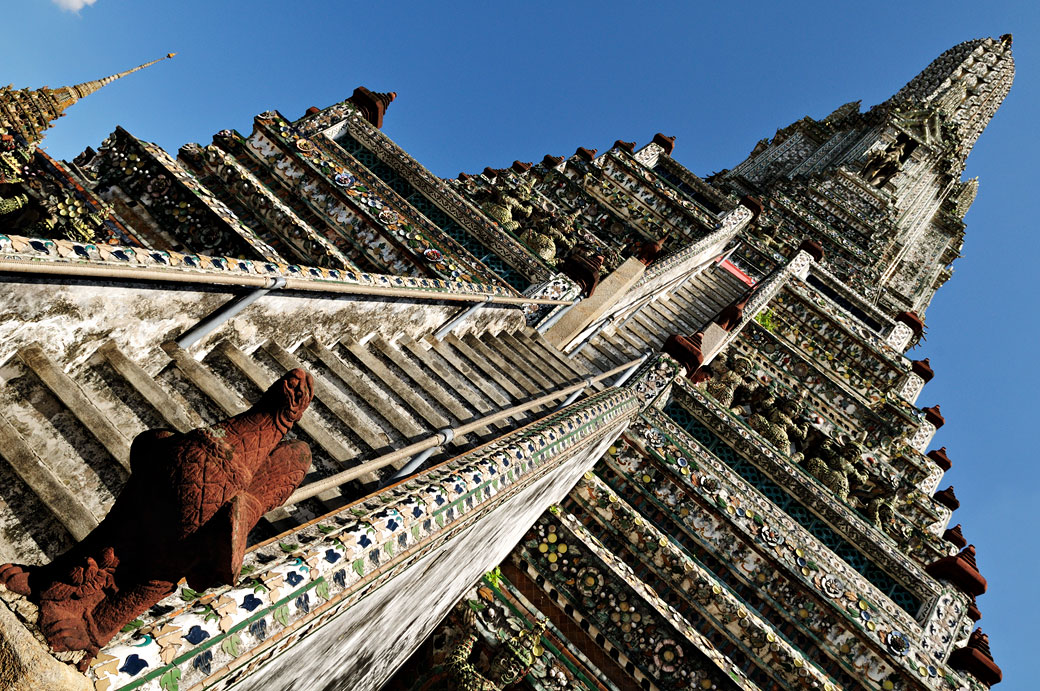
[[446, 435]]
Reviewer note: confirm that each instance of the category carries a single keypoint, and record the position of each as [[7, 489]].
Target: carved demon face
[[297, 390], [742, 366]]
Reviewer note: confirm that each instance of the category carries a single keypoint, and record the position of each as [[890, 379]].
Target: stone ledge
[[27, 665]]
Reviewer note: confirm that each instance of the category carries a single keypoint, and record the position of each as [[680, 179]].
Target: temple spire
[[31, 111], [965, 86], [67, 95]]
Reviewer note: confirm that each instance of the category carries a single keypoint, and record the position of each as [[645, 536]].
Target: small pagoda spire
[[941, 459], [947, 498], [923, 369], [961, 570], [976, 659], [31, 111], [372, 104], [955, 537], [67, 95]]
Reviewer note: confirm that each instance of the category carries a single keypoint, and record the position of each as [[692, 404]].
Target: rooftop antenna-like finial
[[67, 95], [31, 111]]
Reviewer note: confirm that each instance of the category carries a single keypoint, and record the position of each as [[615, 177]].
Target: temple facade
[[592, 422]]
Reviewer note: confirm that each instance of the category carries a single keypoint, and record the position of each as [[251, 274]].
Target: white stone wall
[[361, 649], [72, 320]]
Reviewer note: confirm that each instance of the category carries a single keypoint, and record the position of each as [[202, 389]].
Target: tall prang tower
[[881, 191], [593, 422], [775, 519]]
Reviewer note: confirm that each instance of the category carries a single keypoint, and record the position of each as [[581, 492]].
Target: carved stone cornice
[[886, 630], [437, 191], [794, 480]]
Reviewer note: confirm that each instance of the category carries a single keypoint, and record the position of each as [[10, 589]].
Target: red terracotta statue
[[185, 512]]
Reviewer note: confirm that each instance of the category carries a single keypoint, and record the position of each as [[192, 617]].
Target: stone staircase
[[65, 438], [685, 311]]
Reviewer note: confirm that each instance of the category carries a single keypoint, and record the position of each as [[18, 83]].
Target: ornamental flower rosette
[[589, 581], [667, 655]]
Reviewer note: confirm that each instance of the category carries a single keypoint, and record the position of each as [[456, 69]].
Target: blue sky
[[486, 83]]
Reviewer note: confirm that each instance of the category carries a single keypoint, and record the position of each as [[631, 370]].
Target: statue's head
[[791, 406], [852, 451], [290, 396], [517, 656], [742, 366]]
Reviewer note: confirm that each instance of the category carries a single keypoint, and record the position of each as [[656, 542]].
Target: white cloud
[[73, 5]]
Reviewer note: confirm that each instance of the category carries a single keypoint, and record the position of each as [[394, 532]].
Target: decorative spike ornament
[[29, 112]]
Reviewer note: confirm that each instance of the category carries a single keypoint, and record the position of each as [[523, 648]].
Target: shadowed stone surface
[[185, 512]]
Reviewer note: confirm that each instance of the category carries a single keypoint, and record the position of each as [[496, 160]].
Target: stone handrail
[[445, 436], [68, 258], [717, 339], [657, 278], [729, 226]]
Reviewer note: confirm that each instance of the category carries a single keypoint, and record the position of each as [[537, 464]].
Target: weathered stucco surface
[[363, 647], [72, 320]]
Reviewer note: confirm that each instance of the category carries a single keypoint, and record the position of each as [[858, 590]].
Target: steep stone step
[[671, 319], [531, 383], [597, 357], [403, 390], [725, 284], [651, 334], [496, 394], [653, 316], [624, 341], [638, 334], [703, 304], [492, 370], [552, 369], [469, 392], [697, 309], [173, 413], [540, 346], [57, 436], [437, 391], [676, 316], [229, 401], [537, 382], [72, 397], [448, 376], [73, 514], [30, 532], [335, 400], [404, 426], [615, 355]]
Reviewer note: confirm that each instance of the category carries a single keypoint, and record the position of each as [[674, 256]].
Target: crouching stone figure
[[185, 512]]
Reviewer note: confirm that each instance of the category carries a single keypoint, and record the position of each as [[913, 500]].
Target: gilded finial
[[68, 95], [29, 112]]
